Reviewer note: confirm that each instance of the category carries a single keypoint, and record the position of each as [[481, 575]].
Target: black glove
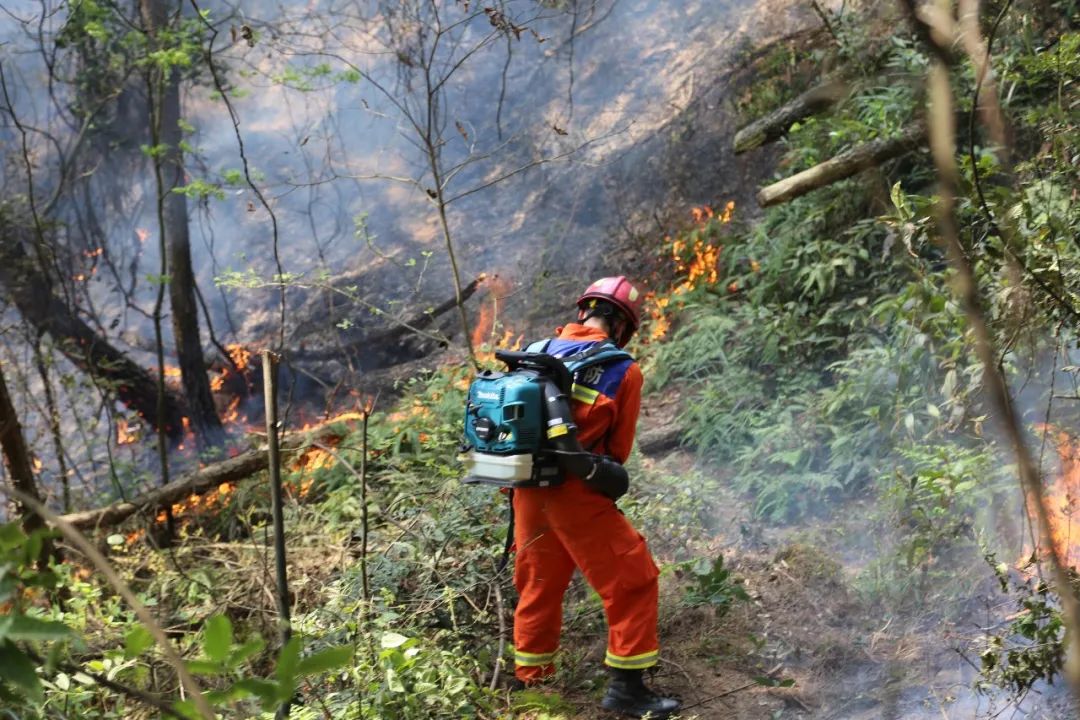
[[608, 477]]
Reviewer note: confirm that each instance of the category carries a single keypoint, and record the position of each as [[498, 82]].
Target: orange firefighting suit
[[571, 525]]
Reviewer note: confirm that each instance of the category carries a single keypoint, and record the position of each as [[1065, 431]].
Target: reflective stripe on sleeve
[[584, 394]]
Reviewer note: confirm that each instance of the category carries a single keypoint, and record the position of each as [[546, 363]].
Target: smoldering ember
[[540, 359]]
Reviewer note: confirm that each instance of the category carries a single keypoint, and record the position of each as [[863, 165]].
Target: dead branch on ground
[[236, 468]]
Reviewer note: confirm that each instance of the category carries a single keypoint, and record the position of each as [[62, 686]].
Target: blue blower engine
[[519, 430]]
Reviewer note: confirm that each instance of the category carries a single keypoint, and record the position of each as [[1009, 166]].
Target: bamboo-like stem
[[269, 360], [364, 511], [942, 143]]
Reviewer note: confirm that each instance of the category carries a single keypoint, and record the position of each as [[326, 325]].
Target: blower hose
[[597, 471]]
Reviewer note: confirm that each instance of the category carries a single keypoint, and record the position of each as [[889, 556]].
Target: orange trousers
[[556, 530]]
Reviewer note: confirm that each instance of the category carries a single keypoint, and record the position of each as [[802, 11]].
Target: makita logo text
[[487, 396]]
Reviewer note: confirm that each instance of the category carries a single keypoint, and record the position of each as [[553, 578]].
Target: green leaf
[[137, 641], [24, 627], [285, 672], [325, 660], [11, 536], [115, 540], [217, 638], [17, 670], [243, 652], [203, 667], [393, 640], [265, 690]]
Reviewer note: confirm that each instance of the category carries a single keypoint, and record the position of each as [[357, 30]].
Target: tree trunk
[[30, 290], [842, 166], [17, 462], [776, 124], [185, 312]]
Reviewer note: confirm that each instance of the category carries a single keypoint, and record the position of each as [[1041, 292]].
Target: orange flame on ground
[[143, 234], [232, 412], [196, 504], [125, 434], [660, 325], [484, 331], [240, 355], [38, 464], [241, 358], [696, 259], [1062, 500]]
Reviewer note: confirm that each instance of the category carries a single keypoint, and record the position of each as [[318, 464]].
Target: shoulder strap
[[600, 352]]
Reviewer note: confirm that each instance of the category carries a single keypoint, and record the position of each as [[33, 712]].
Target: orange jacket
[[606, 398]]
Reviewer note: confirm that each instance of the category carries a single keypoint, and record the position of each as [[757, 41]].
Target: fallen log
[[776, 124], [424, 319], [402, 330], [193, 483], [842, 166], [31, 290]]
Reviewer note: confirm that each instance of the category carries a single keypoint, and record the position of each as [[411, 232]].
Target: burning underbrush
[[1061, 501]]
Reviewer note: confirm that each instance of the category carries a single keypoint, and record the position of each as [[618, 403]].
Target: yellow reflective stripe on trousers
[[584, 394], [526, 659], [632, 662]]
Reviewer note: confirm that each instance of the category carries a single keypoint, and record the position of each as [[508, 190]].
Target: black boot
[[628, 695]]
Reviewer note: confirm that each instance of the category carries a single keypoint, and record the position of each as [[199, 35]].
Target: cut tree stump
[[842, 166], [237, 468], [776, 124]]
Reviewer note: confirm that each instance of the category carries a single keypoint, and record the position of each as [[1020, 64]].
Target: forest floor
[[821, 635]]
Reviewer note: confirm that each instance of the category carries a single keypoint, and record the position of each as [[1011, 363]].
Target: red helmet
[[621, 293]]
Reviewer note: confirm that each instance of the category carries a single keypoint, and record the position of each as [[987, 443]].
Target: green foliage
[[712, 584], [1031, 646], [829, 342], [936, 498], [22, 629]]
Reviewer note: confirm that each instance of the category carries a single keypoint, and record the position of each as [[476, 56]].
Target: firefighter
[[577, 525]]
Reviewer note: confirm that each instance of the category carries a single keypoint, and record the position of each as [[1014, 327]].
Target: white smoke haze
[[579, 125]]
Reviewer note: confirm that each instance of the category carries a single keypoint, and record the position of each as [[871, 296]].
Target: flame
[[484, 331], [240, 355], [696, 258], [196, 504], [172, 372], [142, 234], [232, 412], [241, 359], [660, 325], [1062, 500], [37, 465], [125, 434]]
